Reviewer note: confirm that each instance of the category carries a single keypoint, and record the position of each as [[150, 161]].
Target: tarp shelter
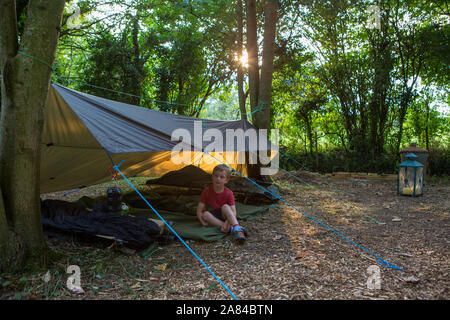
[[83, 135]]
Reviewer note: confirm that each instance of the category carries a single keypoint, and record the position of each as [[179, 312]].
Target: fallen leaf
[[76, 289], [411, 280], [136, 285], [406, 255], [161, 267], [47, 277], [157, 279]]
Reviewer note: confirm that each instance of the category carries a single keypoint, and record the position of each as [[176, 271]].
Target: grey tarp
[[83, 134]]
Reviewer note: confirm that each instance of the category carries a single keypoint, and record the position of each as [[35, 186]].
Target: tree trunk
[[138, 65], [427, 136], [262, 118], [402, 114], [252, 51], [8, 48], [383, 64], [317, 151], [208, 92], [10, 253], [260, 92], [307, 121], [179, 100], [25, 84], [240, 69]]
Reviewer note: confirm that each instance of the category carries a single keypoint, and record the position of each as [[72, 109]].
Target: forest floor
[[287, 255]]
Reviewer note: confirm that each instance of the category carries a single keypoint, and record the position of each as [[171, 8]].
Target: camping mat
[[181, 211]]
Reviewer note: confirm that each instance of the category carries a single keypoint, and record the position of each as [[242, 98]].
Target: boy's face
[[219, 178]]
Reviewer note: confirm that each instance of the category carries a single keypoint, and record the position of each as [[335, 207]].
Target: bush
[[338, 160], [438, 162]]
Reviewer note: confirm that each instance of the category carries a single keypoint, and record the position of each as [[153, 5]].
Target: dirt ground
[[287, 256]]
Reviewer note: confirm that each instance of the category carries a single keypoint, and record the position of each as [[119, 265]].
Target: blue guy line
[[65, 194], [171, 229], [310, 185], [380, 261], [337, 200], [258, 109]]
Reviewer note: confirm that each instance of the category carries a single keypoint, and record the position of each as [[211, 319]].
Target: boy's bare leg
[[211, 220], [228, 213]]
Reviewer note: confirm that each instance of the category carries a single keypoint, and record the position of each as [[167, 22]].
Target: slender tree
[[26, 65], [382, 62], [261, 86], [240, 70], [262, 119], [411, 53], [252, 51]]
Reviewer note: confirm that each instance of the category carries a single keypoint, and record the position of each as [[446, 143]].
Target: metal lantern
[[114, 199], [410, 177], [422, 155]]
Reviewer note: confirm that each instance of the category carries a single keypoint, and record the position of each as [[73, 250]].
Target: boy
[[217, 207]]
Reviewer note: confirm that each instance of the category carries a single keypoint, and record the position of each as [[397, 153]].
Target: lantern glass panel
[[407, 177], [419, 181]]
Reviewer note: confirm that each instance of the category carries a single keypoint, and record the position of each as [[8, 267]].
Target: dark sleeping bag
[[65, 217]]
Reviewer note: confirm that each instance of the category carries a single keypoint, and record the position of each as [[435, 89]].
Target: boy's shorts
[[218, 214]]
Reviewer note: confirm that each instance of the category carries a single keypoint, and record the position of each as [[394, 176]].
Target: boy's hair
[[222, 167]]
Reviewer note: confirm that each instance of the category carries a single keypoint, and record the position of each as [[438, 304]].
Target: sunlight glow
[[243, 59]]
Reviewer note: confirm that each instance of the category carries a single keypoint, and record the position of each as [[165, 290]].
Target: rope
[[314, 187], [37, 59], [128, 94], [145, 255], [171, 229], [337, 200], [256, 110], [65, 194], [380, 261]]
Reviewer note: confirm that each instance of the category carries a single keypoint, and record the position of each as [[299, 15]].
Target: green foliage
[[21, 9], [374, 103], [345, 96], [439, 162], [165, 55], [338, 161]]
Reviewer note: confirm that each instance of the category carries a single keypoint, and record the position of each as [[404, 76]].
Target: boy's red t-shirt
[[214, 201]]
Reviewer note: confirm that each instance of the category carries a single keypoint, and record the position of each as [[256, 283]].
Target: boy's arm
[[200, 209]]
